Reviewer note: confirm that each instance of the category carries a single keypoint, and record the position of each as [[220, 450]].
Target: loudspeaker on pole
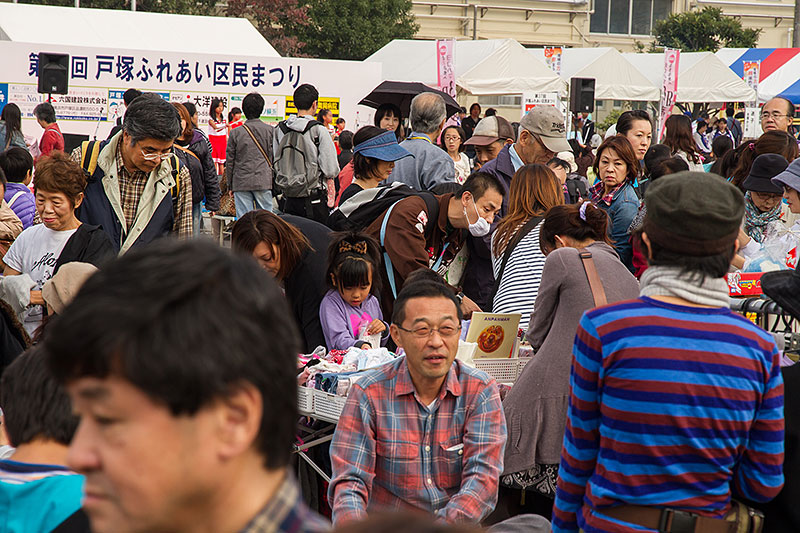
[[53, 73], [581, 95]]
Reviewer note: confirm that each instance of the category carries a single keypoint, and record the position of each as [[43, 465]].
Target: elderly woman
[[617, 167], [374, 153], [40, 250], [292, 250], [516, 255], [536, 406]]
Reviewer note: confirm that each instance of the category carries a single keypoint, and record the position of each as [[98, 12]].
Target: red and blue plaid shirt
[[598, 193], [392, 452]]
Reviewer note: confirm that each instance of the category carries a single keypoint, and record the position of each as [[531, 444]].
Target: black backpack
[[364, 207], [576, 189]]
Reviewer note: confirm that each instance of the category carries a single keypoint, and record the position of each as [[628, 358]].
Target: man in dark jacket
[[411, 245], [541, 136], [249, 159]]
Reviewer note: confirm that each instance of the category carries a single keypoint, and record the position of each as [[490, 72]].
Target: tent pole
[[133, 5], [796, 25]]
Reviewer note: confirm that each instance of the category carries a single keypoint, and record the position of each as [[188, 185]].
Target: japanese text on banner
[[669, 89], [752, 73], [445, 63], [552, 58]]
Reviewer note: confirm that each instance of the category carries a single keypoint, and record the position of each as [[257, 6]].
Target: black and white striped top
[[520, 282]]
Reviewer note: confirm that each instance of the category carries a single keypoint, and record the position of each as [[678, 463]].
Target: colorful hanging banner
[[552, 58], [445, 50], [669, 88]]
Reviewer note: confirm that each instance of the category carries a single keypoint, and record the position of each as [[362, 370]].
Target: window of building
[[628, 17]]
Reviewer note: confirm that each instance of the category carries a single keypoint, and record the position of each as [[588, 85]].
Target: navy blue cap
[[383, 147]]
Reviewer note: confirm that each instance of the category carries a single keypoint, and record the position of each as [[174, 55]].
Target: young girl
[[218, 133], [350, 311]]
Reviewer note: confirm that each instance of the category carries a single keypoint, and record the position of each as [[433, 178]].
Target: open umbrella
[[400, 93]]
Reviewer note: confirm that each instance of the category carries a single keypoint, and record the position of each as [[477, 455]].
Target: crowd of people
[[149, 383]]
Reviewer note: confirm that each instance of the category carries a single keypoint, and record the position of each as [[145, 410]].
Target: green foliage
[[610, 120], [279, 21], [185, 7], [353, 29], [706, 30]]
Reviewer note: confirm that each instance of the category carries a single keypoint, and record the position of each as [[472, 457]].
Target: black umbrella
[[400, 93]]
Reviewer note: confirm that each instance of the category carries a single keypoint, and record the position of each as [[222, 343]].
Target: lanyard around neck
[[421, 138]]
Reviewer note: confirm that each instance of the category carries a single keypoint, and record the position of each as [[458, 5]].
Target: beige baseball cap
[[548, 123], [491, 129]]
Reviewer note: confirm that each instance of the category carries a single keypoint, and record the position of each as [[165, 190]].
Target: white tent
[[702, 77], [106, 28], [499, 66], [615, 77]]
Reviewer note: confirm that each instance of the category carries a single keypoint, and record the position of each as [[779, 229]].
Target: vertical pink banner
[[751, 76], [445, 64], [552, 58], [669, 89]]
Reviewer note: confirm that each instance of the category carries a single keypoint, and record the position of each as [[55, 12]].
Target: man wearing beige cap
[[541, 136], [490, 136]]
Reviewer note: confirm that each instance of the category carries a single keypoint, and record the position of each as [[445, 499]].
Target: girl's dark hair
[[771, 142], [364, 167], [461, 133], [351, 257], [12, 116], [212, 110], [234, 111], [654, 154], [665, 167], [260, 226], [721, 146], [679, 137], [188, 130], [322, 113], [389, 109], [626, 120], [623, 148], [566, 220]]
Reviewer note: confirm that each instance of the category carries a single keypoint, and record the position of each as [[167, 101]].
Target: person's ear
[[560, 243], [237, 420], [394, 331], [509, 141], [78, 200], [648, 250]]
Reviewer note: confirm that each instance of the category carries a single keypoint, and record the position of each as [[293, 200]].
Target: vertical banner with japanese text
[[669, 88], [445, 65], [751, 75], [552, 58]]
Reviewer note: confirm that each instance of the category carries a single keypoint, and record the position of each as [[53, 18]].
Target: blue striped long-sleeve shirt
[[670, 406]]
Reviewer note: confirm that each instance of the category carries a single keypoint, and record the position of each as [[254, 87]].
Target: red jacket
[[52, 139]]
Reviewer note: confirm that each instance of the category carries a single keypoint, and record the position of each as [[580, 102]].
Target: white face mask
[[481, 226]]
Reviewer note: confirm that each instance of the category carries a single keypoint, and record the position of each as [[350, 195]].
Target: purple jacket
[[340, 320], [25, 204]]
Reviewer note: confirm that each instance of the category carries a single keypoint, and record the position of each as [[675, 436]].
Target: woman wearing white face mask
[[518, 261]]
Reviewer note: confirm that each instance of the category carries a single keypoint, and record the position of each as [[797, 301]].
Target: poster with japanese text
[[669, 87], [552, 58], [445, 64]]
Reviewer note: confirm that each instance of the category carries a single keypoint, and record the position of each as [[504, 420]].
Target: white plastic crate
[[328, 406], [305, 400], [503, 370]]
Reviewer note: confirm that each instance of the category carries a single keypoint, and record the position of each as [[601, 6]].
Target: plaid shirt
[[131, 188], [286, 513], [392, 452], [597, 195]]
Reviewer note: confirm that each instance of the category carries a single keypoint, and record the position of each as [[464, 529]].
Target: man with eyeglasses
[[777, 114], [138, 191], [424, 432]]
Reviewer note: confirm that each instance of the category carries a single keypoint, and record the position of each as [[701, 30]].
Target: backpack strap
[[595, 284], [175, 169], [186, 151], [387, 261], [90, 150], [14, 198], [432, 205]]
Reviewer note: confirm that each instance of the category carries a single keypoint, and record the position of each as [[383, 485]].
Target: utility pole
[[796, 25]]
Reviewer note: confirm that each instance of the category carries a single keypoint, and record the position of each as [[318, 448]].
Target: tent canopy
[[615, 77], [498, 66], [702, 77], [778, 72], [107, 28]]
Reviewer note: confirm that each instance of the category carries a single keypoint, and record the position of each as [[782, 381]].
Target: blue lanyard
[[438, 262]]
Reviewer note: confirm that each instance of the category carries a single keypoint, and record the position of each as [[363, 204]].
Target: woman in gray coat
[[536, 406]]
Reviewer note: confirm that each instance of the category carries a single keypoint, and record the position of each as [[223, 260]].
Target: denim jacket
[[621, 213]]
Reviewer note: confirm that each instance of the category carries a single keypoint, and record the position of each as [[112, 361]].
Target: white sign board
[[531, 100], [751, 128], [98, 77]]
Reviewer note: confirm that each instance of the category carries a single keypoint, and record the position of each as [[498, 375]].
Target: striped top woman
[[534, 190]]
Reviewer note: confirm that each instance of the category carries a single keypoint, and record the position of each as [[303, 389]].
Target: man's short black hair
[[729, 111], [34, 404], [422, 289], [186, 323], [305, 96], [46, 112], [253, 106], [150, 116], [16, 162], [480, 182], [346, 140], [130, 95]]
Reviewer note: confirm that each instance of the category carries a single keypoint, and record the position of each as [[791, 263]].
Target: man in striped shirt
[[676, 403]]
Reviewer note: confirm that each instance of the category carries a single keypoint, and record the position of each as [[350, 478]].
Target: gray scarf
[[669, 281]]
